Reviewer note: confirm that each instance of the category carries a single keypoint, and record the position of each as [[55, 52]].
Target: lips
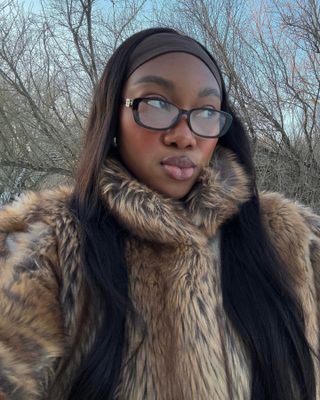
[[181, 162], [179, 168]]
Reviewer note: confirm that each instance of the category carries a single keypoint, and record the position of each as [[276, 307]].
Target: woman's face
[[168, 161]]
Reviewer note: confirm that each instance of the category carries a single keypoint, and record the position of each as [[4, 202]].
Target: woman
[[162, 274]]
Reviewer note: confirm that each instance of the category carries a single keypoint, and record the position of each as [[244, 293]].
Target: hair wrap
[[163, 43]]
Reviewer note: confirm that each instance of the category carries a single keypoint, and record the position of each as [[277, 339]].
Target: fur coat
[[47, 323]]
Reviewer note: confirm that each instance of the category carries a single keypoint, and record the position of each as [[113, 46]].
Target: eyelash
[[156, 95]]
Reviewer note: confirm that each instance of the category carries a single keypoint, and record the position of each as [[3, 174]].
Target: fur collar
[[220, 190]]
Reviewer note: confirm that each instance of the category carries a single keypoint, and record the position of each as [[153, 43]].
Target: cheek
[[126, 123], [207, 148], [135, 140], [127, 133]]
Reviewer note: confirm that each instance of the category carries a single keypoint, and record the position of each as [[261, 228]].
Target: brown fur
[[187, 349]]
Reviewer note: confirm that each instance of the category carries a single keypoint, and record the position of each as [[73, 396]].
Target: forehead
[[183, 71]]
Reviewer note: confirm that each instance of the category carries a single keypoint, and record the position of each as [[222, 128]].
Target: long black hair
[[261, 306]]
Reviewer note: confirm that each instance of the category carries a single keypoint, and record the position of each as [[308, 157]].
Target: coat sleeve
[[313, 222], [294, 231], [31, 327]]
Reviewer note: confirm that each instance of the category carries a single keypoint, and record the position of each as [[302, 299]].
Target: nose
[[180, 136]]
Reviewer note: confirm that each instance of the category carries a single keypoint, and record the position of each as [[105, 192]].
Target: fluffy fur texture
[[183, 346]]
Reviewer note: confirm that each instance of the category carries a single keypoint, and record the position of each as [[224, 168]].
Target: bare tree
[[272, 76], [302, 19], [49, 65], [285, 75]]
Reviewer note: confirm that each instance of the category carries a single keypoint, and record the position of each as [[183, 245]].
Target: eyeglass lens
[[159, 114]]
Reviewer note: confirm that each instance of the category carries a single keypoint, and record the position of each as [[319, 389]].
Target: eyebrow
[[209, 92], [156, 79]]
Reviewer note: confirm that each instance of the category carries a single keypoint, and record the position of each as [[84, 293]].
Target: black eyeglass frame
[[134, 104]]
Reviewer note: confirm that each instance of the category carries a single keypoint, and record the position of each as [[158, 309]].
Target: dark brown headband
[[163, 43]]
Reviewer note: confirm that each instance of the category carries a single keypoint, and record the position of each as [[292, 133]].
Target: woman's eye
[[160, 104], [207, 113]]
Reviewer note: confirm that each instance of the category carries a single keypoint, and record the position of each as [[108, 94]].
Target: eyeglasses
[[159, 115]]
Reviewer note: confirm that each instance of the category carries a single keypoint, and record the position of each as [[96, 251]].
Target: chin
[[174, 194]]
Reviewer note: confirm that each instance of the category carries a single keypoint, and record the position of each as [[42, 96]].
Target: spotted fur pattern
[[180, 345]]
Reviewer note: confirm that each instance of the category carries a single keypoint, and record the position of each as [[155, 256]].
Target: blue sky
[[36, 4]]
